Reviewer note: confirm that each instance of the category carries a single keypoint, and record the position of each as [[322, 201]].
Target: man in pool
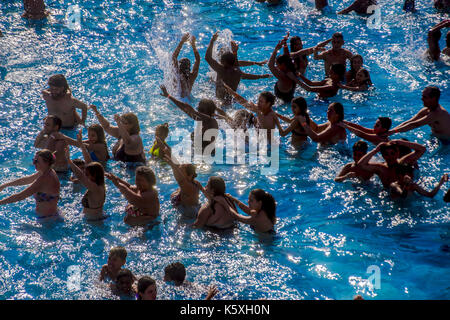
[[34, 9], [433, 114], [434, 35], [60, 102], [352, 170], [335, 55], [227, 71], [359, 6]]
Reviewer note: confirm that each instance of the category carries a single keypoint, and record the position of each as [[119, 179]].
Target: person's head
[[362, 76], [359, 150], [337, 71], [79, 163], [266, 100], [382, 125], [285, 64], [145, 178], [189, 170], [299, 107], [146, 288], [228, 59], [337, 40], [206, 106], [124, 281], [430, 97], [52, 124], [94, 172], [162, 131], [43, 160], [447, 196], [259, 199], [131, 123], [96, 134], [185, 66], [241, 119], [58, 86], [335, 112], [175, 272], [215, 186], [447, 40], [356, 62], [117, 258], [296, 44], [390, 153]]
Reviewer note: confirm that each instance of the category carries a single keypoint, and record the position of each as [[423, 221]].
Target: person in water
[[60, 102], [359, 6], [123, 287], [434, 35], [43, 185], [328, 87], [386, 170], [93, 178], [360, 83], [330, 132], [34, 9], [409, 6], [352, 170], [160, 147], [378, 134], [241, 63], [447, 196], [228, 71], [146, 289], [299, 108], [442, 5], [321, 4], [212, 213], [433, 114], [95, 144], [129, 147], [260, 210], [335, 55], [143, 200], [183, 66], [116, 260]]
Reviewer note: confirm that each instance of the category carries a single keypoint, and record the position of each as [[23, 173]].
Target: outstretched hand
[[164, 92], [234, 47], [215, 36], [185, 37], [93, 108], [212, 291], [192, 40]]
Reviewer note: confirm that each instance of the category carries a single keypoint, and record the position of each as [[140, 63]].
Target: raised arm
[[90, 185], [175, 54], [433, 39], [250, 76], [415, 155], [275, 71], [345, 173], [350, 8], [21, 181], [410, 125], [84, 150], [196, 66], [371, 137], [114, 131], [32, 189], [241, 100], [364, 161], [208, 57], [433, 192]]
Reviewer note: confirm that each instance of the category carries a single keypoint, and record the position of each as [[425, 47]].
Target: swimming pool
[[328, 234]]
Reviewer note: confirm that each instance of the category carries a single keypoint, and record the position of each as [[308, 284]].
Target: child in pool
[[146, 289], [335, 55], [356, 63], [360, 83], [328, 87], [123, 287], [116, 260], [96, 143], [378, 134], [160, 147], [183, 67], [352, 170]]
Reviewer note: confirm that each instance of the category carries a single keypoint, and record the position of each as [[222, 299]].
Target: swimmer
[[330, 132], [93, 178], [442, 5], [447, 196], [352, 170], [143, 201], [359, 6], [227, 71], [299, 108], [146, 289], [433, 114], [34, 9], [260, 210], [328, 87], [360, 83], [336, 54], [183, 67], [204, 113], [321, 4], [160, 147], [95, 144], [212, 213], [44, 186], [129, 147], [124, 285], [116, 260], [356, 63], [446, 50], [386, 170], [378, 134], [409, 6], [61, 103], [434, 35]]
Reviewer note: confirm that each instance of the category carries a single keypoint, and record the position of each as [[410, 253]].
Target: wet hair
[[55, 120], [228, 58], [287, 61], [134, 121], [79, 162], [434, 92], [353, 58], [338, 69], [447, 196], [294, 39], [389, 146], [143, 283], [176, 272], [163, 130], [368, 81], [58, 80], [269, 204], [385, 122], [207, 106], [124, 273], [303, 106], [360, 146], [98, 129], [242, 119], [190, 169], [119, 252], [338, 35], [147, 173], [268, 96], [95, 169], [339, 109], [185, 66], [47, 156], [217, 185]]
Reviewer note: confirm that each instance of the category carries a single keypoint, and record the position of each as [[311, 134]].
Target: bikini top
[[44, 197], [154, 151], [85, 201]]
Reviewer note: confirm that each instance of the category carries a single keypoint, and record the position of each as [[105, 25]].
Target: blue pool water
[[328, 234]]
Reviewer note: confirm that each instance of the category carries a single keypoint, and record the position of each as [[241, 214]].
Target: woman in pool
[[360, 83], [146, 289], [44, 186], [93, 178], [143, 201], [330, 132], [96, 143], [160, 147], [183, 67], [214, 214], [299, 108], [260, 210], [129, 148], [356, 63]]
